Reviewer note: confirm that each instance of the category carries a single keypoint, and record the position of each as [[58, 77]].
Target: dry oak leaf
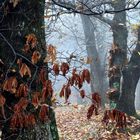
[[22, 90], [24, 70], [56, 69], [85, 76], [35, 99], [64, 68], [51, 54], [21, 105], [10, 84], [82, 93], [2, 100], [31, 39], [43, 112], [62, 92], [35, 57], [42, 75], [26, 48]]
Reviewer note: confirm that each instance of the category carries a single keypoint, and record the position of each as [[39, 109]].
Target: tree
[[97, 71], [20, 19], [118, 53]]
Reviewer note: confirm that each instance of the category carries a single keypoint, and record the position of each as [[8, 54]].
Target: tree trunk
[[97, 72], [17, 22], [131, 76], [118, 52]]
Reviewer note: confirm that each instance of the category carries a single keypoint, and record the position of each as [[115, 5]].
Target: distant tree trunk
[[118, 62], [118, 52], [97, 72], [131, 76], [17, 22]]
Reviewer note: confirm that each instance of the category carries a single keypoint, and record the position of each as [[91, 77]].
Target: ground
[[73, 125]]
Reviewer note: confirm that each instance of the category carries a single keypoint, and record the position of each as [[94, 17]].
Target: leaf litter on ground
[[73, 124]]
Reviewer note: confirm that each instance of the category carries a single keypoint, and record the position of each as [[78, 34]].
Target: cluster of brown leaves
[[22, 90], [65, 91], [115, 116], [35, 57], [23, 68], [19, 118], [85, 76], [75, 80], [47, 90], [43, 113], [79, 79], [30, 45], [96, 103], [31, 40], [10, 84], [64, 68]]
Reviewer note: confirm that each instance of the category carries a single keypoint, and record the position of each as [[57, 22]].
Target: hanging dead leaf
[[82, 93], [26, 48], [85, 76], [51, 54], [67, 92], [62, 92], [42, 75], [22, 90], [56, 69], [35, 57], [24, 70], [31, 40], [35, 99], [10, 84], [43, 113], [64, 68]]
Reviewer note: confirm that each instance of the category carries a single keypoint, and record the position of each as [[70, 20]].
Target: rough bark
[[16, 23], [131, 76], [118, 61], [120, 34]]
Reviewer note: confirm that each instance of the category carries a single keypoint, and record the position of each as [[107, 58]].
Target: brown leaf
[[10, 84], [43, 113], [22, 90], [26, 48], [35, 57], [62, 92], [51, 54], [82, 93], [42, 75], [64, 68], [24, 70], [2, 100], [56, 69], [31, 40]]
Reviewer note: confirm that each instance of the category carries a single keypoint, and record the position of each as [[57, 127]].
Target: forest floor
[[73, 125]]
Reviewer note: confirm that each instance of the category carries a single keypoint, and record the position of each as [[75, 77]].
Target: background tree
[[118, 53]]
